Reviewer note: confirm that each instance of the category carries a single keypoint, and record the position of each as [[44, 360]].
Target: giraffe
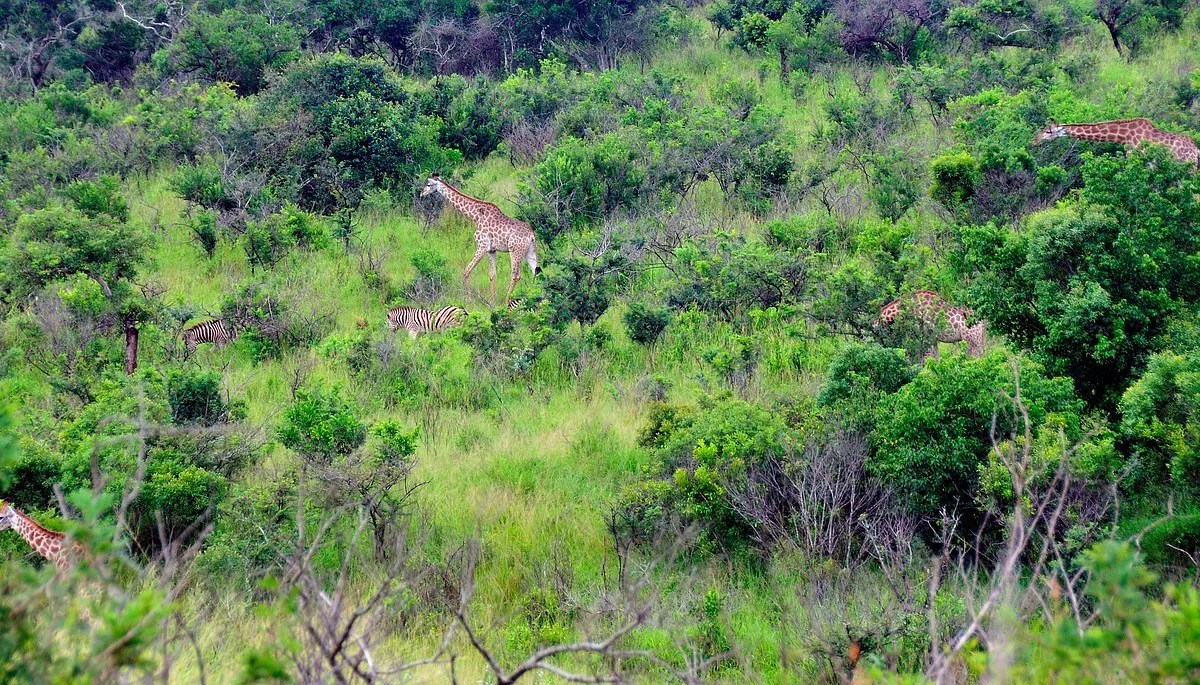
[[50, 544], [1132, 132], [494, 232], [929, 307]]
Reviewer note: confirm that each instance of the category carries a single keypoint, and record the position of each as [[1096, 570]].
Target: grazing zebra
[[217, 331], [416, 320]]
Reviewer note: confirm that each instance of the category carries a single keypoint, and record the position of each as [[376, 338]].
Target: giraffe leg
[[471, 267], [492, 277], [516, 272]]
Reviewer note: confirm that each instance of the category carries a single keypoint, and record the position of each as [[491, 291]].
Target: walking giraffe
[[51, 545], [1131, 132], [929, 308], [495, 232]]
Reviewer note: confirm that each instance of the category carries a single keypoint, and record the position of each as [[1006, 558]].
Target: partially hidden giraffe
[[495, 232], [929, 308], [53, 546], [1131, 132]]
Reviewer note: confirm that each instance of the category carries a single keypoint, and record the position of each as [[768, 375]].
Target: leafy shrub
[[646, 323], [431, 278], [580, 289], [860, 376], [932, 436], [1090, 286], [195, 397], [201, 183], [699, 452], [204, 229], [955, 176], [234, 47], [734, 277], [102, 196], [266, 242], [1160, 417], [320, 425], [303, 228]]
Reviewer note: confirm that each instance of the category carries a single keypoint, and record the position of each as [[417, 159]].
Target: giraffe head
[[8, 516], [433, 185], [1051, 132]]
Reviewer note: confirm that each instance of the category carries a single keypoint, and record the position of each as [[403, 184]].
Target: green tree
[[1160, 416], [932, 436], [320, 425], [58, 242], [1090, 287], [234, 46]]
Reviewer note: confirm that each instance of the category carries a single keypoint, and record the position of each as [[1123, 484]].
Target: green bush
[[266, 242], [932, 436], [195, 397], [235, 47], [646, 323], [102, 196], [304, 229], [699, 453], [320, 425], [955, 176], [1090, 286], [1160, 418], [204, 229], [860, 376]]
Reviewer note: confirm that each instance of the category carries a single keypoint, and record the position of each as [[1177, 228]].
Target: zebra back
[[448, 317], [413, 319], [216, 331]]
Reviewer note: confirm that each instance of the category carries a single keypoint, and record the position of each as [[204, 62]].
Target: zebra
[[217, 331], [416, 320]]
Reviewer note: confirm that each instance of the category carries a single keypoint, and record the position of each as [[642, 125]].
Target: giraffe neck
[[50, 544], [472, 208], [1124, 132]]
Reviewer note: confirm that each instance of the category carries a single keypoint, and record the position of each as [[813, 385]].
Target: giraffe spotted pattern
[[52, 546], [495, 232], [950, 321], [1131, 132]]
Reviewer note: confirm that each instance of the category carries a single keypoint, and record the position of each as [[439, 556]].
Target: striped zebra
[[217, 331], [416, 320]]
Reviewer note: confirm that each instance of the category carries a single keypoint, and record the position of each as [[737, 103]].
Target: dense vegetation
[[690, 451]]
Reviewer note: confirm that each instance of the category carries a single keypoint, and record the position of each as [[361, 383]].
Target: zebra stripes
[[216, 331], [416, 320]]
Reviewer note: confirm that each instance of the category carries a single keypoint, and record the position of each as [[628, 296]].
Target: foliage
[[860, 377], [321, 425], [195, 397], [1160, 416], [697, 451], [1088, 288], [235, 47], [932, 436], [646, 323]]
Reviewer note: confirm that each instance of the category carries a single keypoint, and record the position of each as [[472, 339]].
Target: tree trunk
[[1115, 34], [785, 65], [131, 346]]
